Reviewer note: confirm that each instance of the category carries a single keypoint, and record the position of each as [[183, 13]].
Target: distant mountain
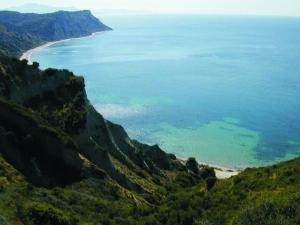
[[39, 8], [120, 12], [22, 31]]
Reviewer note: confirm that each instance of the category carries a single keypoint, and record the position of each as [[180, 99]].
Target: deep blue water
[[225, 89]]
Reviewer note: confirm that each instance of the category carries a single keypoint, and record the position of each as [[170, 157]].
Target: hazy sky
[[260, 7]]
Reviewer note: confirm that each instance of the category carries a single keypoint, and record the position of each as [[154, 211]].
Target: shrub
[[207, 172], [192, 165], [151, 221], [269, 214], [172, 156], [35, 65], [2, 221], [39, 213], [210, 182], [50, 72], [24, 62], [185, 180]]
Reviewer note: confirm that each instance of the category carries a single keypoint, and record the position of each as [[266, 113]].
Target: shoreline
[[28, 54], [221, 172]]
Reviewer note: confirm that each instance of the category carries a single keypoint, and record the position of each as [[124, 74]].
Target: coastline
[[221, 172], [224, 173], [28, 54]]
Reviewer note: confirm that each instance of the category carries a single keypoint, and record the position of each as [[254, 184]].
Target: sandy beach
[[221, 172], [28, 54]]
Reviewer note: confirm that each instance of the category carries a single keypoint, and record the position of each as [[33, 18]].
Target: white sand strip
[[28, 54]]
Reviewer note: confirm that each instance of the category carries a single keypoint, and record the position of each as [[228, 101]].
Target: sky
[[252, 7]]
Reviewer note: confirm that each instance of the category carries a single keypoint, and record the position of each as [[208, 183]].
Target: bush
[[269, 214], [39, 213], [24, 62], [50, 72], [210, 182], [151, 221], [2, 221], [207, 172], [185, 180], [35, 65], [192, 165]]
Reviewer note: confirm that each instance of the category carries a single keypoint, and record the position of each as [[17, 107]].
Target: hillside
[[62, 163], [22, 31]]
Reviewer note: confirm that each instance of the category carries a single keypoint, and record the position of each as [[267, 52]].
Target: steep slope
[[12, 43], [256, 196], [33, 147], [22, 31], [57, 98], [62, 163]]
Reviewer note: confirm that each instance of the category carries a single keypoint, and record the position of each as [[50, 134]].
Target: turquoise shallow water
[[224, 89]]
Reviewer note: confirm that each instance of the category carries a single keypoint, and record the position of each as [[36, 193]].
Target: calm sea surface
[[224, 89]]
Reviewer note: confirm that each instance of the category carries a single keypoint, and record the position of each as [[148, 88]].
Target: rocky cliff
[[62, 163], [56, 100]]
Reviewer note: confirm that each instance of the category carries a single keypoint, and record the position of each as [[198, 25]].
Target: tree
[[35, 65], [192, 165]]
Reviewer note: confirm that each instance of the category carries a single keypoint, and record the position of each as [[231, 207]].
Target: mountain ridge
[[21, 32]]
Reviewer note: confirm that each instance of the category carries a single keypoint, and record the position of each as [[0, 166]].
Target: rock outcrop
[[56, 101]]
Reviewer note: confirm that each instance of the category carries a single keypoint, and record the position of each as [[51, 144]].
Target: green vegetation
[[61, 163], [192, 165], [43, 213], [271, 198], [20, 32], [65, 106]]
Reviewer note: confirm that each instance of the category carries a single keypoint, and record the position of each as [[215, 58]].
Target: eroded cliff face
[[36, 149], [57, 98]]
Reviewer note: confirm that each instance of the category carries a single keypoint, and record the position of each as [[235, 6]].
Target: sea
[[222, 89]]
